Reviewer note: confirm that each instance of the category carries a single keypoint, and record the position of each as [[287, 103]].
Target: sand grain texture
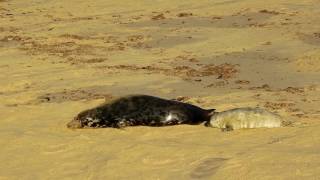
[[58, 58]]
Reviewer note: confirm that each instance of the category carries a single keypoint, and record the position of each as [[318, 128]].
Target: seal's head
[[88, 118], [211, 118]]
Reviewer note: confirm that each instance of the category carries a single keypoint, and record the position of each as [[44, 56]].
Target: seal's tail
[[210, 112]]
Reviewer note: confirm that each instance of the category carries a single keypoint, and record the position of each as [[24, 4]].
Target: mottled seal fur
[[140, 110], [244, 118]]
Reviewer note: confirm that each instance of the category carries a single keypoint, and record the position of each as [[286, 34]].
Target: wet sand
[[58, 58]]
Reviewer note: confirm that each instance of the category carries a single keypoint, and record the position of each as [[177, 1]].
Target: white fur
[[245, 118], [170, 117]]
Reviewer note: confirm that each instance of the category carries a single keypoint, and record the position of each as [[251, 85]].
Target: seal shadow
[[207, 168]]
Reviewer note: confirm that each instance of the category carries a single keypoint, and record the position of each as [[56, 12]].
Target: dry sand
[[60, 57]]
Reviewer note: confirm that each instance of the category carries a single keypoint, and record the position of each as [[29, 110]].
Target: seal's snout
[[74, 124]]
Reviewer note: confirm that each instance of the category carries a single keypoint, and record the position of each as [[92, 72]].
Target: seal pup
[[140, 110], [244, 118]]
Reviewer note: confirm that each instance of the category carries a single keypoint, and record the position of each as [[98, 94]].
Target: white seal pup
[[244, 118]]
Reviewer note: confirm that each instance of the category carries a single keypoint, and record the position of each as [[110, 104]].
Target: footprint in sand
[[53, 149], [207, 168]]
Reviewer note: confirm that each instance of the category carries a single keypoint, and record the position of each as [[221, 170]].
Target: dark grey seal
[[140, 110]]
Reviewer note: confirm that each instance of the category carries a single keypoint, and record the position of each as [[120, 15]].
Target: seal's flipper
[[227, 128], [174, 117], [207, 124]]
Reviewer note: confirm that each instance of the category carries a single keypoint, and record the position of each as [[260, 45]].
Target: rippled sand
[[58, 58]]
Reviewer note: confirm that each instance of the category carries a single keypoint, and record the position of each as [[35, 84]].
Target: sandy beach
[[58, 58]]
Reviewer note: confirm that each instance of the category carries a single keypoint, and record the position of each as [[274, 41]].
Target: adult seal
[[140, 110], [247, 117]]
